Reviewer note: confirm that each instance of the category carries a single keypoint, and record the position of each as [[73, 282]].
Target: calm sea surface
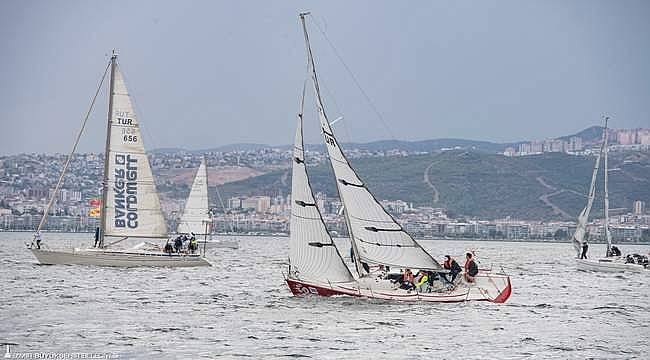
[[241, 307]]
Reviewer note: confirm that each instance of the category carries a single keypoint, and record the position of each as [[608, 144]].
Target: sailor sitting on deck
[[407, 280], [168, 248], [422, 281], [178, 243]]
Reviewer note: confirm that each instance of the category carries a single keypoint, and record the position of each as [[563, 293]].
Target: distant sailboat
[[130, 202], [612, 261], [196, 215], [315, 265]]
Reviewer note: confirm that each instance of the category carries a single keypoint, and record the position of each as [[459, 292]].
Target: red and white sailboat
[[315, 264]]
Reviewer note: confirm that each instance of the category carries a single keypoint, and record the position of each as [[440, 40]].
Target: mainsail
[[312, 253], [377, 237], [131, 207], [195, 216], [581, 228]]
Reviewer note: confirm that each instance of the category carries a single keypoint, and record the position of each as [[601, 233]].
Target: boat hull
[[608, 265], [492, 288], [117, 258]]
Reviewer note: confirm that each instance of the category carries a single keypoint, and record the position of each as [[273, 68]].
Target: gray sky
[[209, 73]]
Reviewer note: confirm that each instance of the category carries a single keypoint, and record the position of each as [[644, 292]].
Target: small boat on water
[[613, 261], [196, 215], [130, 206], [378, 241]]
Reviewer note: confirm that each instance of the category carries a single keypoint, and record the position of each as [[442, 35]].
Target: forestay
[[312, 253], [378, 237], [195, 216], [131, 205], [581, 228]]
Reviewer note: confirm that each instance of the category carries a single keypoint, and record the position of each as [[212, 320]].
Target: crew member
[[471, 269], [453, 267], [585, 247]]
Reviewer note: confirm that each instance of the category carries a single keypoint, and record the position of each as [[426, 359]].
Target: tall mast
[[608, 236], [312, 68], [106, 149]]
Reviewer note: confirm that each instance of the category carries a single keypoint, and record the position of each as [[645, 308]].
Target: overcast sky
[[205, 74]]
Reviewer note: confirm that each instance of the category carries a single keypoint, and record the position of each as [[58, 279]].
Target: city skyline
[[472, 77]]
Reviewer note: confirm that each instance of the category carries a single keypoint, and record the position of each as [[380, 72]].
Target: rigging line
[[223, 205], [74, 149], [354, 79]]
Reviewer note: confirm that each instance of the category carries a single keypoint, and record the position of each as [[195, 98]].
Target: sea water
[[241, 307]]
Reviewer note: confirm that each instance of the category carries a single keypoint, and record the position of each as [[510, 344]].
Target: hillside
[[547, 186]]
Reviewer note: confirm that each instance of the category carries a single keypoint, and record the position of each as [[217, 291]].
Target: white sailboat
[[196, 215], [612, 261], [130, 203], [316, 266]]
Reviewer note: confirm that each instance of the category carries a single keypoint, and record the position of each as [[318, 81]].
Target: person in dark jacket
[[471, 269], [453, 267], [585, 248]]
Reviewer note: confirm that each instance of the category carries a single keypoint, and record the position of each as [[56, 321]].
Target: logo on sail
[[126, 191]]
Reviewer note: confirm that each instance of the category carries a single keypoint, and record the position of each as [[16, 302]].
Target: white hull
[[612, 265], [214, 244], [114, 258], [487, 287]]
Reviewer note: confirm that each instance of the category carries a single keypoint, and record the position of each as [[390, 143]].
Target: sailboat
[[378, 241], [196, 215], [612, 261], [130, 203]]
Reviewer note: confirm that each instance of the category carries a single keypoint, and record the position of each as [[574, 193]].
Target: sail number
[[129, 135], [330, 140]]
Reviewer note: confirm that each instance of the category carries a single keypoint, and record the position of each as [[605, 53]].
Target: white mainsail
[[195, 216], [581, 228], [379, 239], [131, 207]]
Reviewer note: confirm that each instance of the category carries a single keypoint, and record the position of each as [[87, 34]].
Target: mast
[[312, 68], [379, 238], [106, 150], [608, 235]]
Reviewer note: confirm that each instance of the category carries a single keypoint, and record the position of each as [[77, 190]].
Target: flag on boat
[[95, 212], [95, 202]]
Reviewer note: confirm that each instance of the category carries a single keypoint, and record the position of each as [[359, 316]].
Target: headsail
[[378, 237], [131, 206], [581, 228], [196, 215], [312, 253]]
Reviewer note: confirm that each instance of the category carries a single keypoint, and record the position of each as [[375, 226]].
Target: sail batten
[[363, 211], [131, 206]]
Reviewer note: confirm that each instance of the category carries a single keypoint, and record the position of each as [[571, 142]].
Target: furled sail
[[379, 239], [312, 253], [131, 206], [581, 229], [195, 216], [608, 234]]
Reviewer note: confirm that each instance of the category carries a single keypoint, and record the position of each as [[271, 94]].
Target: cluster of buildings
[[620, 139]]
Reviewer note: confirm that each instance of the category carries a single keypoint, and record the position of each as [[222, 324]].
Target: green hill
[[547, 186]]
